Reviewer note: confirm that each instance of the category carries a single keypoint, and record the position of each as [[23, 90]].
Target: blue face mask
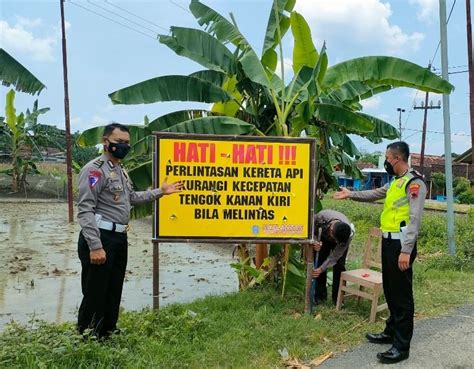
[[118, 150]]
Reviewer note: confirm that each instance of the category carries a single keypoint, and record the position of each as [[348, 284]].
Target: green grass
[[246, 330], [241, 330]]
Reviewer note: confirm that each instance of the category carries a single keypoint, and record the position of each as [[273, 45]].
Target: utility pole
[[447, 128], [400, 111], [471, 72], [67, 120], [425, 107]]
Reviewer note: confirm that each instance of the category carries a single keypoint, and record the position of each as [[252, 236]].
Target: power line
[[112, 20], [180, 6], [137, 16], [437, 132], [121, 16]]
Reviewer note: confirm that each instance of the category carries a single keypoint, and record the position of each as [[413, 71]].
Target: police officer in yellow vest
[[400, 222]]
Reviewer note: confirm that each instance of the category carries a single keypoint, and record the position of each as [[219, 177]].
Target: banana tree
[[18, 133], [249, 97]]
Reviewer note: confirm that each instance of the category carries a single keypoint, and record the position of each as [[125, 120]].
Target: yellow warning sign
[[235, 188]]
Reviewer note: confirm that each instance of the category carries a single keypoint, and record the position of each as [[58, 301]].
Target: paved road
[[446, 342]]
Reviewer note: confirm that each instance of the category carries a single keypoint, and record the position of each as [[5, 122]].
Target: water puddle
[[40, 270]]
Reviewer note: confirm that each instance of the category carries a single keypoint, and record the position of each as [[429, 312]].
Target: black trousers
[[102, 284], [398, 290], [321, 293]]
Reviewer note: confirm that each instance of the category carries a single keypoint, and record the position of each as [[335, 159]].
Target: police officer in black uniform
[[104, 201]]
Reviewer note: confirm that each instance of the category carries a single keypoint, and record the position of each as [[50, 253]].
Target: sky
[[112, 44]]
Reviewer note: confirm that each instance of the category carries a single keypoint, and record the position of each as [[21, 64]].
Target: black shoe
[[392, 356], [379, 337]]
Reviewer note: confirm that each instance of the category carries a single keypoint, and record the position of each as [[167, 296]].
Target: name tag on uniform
[[400, 182]]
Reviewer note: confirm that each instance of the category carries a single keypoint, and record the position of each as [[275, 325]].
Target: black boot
[[392, 356], [379, 337]]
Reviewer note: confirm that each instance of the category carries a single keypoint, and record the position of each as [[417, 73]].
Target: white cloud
[[17, 39], [97, 120], [427, 9], [28, 23], [358, 23], [371, 103]]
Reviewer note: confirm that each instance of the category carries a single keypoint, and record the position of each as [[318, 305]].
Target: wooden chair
[[365, 283]]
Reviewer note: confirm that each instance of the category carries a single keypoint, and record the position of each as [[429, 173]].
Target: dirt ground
[[40, 270]]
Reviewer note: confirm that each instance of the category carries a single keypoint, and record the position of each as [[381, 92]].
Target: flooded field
[[40, 270]]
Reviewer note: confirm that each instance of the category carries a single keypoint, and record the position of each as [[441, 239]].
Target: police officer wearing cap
[[400, 223], [104, 201]]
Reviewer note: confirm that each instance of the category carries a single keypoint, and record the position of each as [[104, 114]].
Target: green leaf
[[213, 125], [201, 47], [272, 34], [211, 76], [382, 130], [170, 88], [385, 70], [346, 119], [216, 24], [254, 69], [171, 119], [349, 147], [10, 112], [304, 51], [13, 73], [142, 176], [229, 108], [93, 136], [355, 91]]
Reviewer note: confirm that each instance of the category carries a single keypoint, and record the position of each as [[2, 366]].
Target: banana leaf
[[212, 76], [385, 70], [277, 26], [216, 125], [355, 91], [200, 47], [170, 88], [382, 130], [216, 24], [304, 51], [345, 118], [13, 73], [94, 136], [171, 119]]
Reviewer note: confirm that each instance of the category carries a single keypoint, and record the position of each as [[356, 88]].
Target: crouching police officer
[[104, 201], [336, 235], [400, 223]]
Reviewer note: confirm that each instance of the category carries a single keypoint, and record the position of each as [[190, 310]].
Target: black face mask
[[118, 150], [389, 168]]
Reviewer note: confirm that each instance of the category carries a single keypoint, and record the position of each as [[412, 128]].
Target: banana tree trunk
[[261, 253]]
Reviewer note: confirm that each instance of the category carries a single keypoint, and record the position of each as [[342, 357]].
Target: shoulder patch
[[98, 163], [413, 190], [94, 177], [417, 174]]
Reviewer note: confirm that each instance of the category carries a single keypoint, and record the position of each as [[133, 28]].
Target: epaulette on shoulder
[[417, 174], [98, 163]]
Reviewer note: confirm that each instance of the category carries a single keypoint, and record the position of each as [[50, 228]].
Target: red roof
[[429, 159]]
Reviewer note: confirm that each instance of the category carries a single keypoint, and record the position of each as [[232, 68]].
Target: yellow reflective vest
[[396, 207]]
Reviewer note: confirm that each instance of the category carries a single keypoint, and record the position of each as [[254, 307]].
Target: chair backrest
[[373, 249]]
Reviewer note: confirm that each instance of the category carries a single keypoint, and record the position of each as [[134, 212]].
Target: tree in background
[[248, 97]]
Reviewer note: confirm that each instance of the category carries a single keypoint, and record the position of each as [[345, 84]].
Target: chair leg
[[375, 302], [361, 288], [340, 294]]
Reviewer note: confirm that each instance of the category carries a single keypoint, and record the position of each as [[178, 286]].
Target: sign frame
[[157, 135]]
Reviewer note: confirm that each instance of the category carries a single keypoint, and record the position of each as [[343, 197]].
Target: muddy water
[[40, 270]]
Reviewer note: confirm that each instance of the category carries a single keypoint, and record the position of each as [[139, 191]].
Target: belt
[[112, 226], [392, 235]]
